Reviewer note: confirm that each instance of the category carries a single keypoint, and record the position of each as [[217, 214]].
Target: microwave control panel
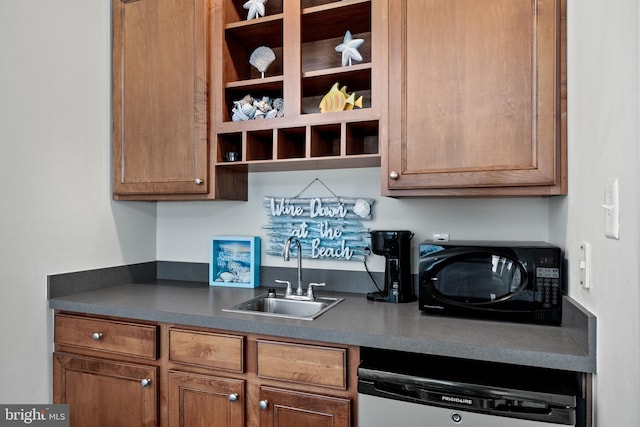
[[548, 291]]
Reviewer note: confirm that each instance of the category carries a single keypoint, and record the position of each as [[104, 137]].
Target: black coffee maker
[[395, 246]]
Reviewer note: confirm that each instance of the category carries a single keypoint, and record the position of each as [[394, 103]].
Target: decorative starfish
[[349, 48], [255, 7]]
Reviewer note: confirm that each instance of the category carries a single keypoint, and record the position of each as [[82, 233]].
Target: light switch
[[611, 209], [584, 264]]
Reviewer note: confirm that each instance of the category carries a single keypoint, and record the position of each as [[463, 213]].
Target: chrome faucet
[[299, 295], [287, 257]]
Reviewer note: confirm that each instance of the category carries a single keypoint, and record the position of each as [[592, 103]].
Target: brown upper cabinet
[[181, 66], [459, 98], [160, 103], [477, 98]]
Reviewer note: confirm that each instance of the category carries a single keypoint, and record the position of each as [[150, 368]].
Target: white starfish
[[349, 48], [255, 7]]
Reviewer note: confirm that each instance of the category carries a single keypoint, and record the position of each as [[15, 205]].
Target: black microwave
[[512, 281]]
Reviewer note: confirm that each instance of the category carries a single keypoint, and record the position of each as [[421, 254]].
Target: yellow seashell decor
[[337, 99]]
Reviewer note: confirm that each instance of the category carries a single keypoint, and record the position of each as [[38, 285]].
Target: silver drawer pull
[[97, 336], [264, 404], [145, 382], [233, 397]]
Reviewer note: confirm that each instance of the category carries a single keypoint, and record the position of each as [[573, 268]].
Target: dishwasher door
[[413, 390], [382, 412]]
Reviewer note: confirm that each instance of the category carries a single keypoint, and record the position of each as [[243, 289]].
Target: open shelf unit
[[325, 145], [303, 35]]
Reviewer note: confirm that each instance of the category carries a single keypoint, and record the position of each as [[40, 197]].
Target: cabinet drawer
[[212, 350], [302, 363], [109, 336]]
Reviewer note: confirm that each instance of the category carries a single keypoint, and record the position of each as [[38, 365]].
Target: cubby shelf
[[284, 148], [333, 19], [303, 34]]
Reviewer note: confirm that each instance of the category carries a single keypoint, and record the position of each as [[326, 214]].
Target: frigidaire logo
[[454, 399], [40, 415]]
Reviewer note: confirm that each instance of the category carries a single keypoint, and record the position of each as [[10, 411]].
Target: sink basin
[[283, 307]]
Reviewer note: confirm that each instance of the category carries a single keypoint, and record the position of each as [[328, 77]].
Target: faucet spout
[[287, 257]]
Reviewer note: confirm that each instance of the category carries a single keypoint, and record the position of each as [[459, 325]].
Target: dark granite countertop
[[354, 321]]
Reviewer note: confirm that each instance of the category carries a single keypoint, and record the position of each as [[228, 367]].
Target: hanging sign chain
[[313, 182]]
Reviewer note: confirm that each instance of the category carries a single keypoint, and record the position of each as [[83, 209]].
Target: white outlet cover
[[611, 209], [584, 265]]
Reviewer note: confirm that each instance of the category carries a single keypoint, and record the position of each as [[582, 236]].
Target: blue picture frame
[[235, 261]]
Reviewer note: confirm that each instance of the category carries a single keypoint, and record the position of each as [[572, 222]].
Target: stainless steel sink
[[279, 306]]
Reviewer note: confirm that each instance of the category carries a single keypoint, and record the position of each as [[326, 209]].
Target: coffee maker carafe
[[395, 246]]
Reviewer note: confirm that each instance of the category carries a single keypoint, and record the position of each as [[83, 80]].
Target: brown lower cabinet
[[286, 408], [103, 393], [121, 372], [205, 401]]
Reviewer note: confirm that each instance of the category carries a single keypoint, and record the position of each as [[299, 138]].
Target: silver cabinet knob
[[145, 382], [264, 404], [394, 175], [97, 336], [233, 397], [198, 181]]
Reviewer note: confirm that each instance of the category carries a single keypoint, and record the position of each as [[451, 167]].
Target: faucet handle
[[310, 294], [288, 283]]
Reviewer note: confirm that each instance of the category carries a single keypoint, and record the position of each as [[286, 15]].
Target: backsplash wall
[[184, 228]]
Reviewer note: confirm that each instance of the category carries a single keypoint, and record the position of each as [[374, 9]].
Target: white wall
[[184, 228], [57, 214], [603, 46]]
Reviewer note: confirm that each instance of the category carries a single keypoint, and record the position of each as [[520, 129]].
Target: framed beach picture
[[235, 261]]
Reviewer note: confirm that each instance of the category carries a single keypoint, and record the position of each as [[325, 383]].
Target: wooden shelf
[[242, 38], [291, 143], [356, 78], [354, 15], [234, 12], [307, 65], [362, 161], [329, 144], [267, 84], [321, 55], [266, 31]]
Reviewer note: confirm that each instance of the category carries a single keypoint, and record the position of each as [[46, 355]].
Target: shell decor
[[339, 100], [261, 58], [226, 277], [362, 208], [349, 49], [255, 8], [249, 108]]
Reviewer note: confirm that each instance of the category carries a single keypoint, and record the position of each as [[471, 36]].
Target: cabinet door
[[160, 96], [475, 98], [104, 393], [205, 401], [285, 408]]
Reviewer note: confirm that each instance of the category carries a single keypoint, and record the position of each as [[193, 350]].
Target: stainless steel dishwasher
[[410, 390]]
